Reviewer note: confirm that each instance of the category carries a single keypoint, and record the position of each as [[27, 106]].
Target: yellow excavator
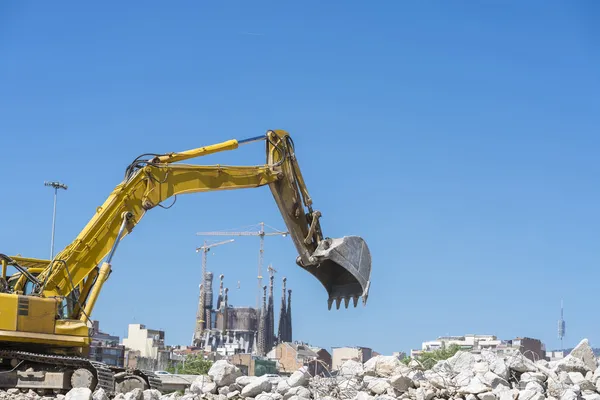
[[46, 305]]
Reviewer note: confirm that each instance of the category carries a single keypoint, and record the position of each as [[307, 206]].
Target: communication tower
[[561, 326]]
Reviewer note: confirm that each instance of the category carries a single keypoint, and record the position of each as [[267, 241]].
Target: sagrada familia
[[229, 330]]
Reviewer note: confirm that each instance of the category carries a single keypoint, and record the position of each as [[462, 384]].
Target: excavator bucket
[[344, 267]]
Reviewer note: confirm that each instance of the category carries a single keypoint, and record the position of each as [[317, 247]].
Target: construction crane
[[205, 248], [260, 233]]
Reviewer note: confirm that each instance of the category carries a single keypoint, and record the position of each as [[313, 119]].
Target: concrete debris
[[135, 394], [100, 394], [465, 376], [79, 394], [223, 373], [381, 366], [584, 352], [256, 387]]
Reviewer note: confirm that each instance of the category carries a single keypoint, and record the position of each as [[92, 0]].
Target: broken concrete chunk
[[584, 352], [299, 391], [78, 394], [256, 387], [100, 394], [382, 366], [476, 386], [535, 386], [486, 396], [530, 395], [571, 364], [224, 373], [401, 383]]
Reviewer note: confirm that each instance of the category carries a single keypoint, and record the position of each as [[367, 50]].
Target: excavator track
[[104, 373]]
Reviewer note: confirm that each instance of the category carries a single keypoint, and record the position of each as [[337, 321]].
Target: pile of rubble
[[465, 376]]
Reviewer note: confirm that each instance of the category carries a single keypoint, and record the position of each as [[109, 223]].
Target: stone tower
[[288, 317], [262, 326], [271, 318], [208, 301], [281, 335]]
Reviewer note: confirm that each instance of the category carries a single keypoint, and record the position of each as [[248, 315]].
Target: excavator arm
[[343, 266]]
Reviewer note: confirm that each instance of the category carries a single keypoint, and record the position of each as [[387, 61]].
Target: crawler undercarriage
[[48, 373]]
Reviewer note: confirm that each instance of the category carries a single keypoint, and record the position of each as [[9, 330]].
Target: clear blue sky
[[460, 139]]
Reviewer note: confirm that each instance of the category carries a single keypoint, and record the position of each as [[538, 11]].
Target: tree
[[193, 365], [429, 358]]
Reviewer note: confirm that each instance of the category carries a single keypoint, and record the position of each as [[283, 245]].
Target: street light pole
[[56, 186]]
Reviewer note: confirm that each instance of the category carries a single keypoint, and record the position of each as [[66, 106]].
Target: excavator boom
[[45, 308]]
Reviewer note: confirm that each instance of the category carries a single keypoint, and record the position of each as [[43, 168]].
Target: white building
[[343, 354], [148, 342], [470, 342]]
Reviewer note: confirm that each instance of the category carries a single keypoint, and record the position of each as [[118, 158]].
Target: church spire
[[262, 326], [281, 335], [271, 317], [288, 317]]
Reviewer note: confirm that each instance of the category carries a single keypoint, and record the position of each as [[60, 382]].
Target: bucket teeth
[[346, 300]]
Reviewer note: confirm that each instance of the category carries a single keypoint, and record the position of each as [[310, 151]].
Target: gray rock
[[298, 378], [584, 352], [463, 378], [471, 397], [591, 396], [476, 386], [224, 373], [596, 375], [533, 376], [530, 395], [401, 383], [598, 385], [497, 364], [135, 394], [506, 394], [233, 394], [486, 396], [535, 386], [363, 396], [203, 384], [462, 361], [351, 368], [568, 395], [377, 385], [224, 390], [425, 394], [299, 391], [244, 380], [481, 367], [571, 364], [256, 387], [100, 394], [13, 391], [78, 394], [493, 380], [520, 363], [416, 375], [148, 394], [383, 366], [269, 396], [385, 397]]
